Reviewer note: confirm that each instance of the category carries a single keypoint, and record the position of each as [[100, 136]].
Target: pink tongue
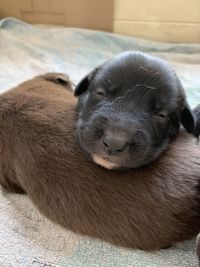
[[104, 163]]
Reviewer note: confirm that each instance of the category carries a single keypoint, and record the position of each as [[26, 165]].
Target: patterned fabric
[[26, 237]]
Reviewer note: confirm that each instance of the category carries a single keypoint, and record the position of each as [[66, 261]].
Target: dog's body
[[148, 208], [129, 110]]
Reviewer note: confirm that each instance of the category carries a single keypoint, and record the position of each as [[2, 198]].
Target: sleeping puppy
[[129, 109], [147, 208]]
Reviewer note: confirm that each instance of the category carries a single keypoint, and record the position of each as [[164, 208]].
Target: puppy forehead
[[150, 87], [136, 72]]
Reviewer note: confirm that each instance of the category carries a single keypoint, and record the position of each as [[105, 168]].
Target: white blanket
[[26, 237]]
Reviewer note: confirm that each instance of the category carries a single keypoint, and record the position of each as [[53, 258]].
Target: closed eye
[[161, 114], [100, 92]]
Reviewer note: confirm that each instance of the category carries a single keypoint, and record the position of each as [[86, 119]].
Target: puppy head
[[128, 110]]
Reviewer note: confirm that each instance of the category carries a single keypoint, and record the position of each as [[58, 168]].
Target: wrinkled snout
[[115, 142], [119, 133]]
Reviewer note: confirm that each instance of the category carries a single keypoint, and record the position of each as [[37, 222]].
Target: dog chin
[[105, 163]]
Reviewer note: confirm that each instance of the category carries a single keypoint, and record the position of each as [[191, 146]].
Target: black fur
[[129, 108]]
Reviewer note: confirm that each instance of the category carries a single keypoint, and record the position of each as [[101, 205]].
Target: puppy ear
[[62, 79], [82, 86], [188, 119], [59, 78]]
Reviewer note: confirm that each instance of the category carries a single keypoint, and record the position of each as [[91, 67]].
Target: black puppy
[[128, 110]]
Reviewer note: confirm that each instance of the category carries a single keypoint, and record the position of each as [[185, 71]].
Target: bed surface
[[26, 237]]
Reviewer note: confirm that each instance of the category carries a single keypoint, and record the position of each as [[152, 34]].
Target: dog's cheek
[[141, 148], [89, 138], [161, 127], [82, 106], [173, 126]]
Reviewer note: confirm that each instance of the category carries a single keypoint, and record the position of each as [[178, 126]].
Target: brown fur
[[147, 208]]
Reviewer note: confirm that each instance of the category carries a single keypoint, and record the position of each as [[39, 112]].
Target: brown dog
[[147, 208]]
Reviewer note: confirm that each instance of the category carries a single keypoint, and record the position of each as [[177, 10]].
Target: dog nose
[[115, 143]]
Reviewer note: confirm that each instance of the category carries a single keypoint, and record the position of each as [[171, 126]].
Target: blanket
[[27, 238]]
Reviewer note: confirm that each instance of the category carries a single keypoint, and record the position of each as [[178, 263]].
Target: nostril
[[106, 145], [113, 148], [119, 150]]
